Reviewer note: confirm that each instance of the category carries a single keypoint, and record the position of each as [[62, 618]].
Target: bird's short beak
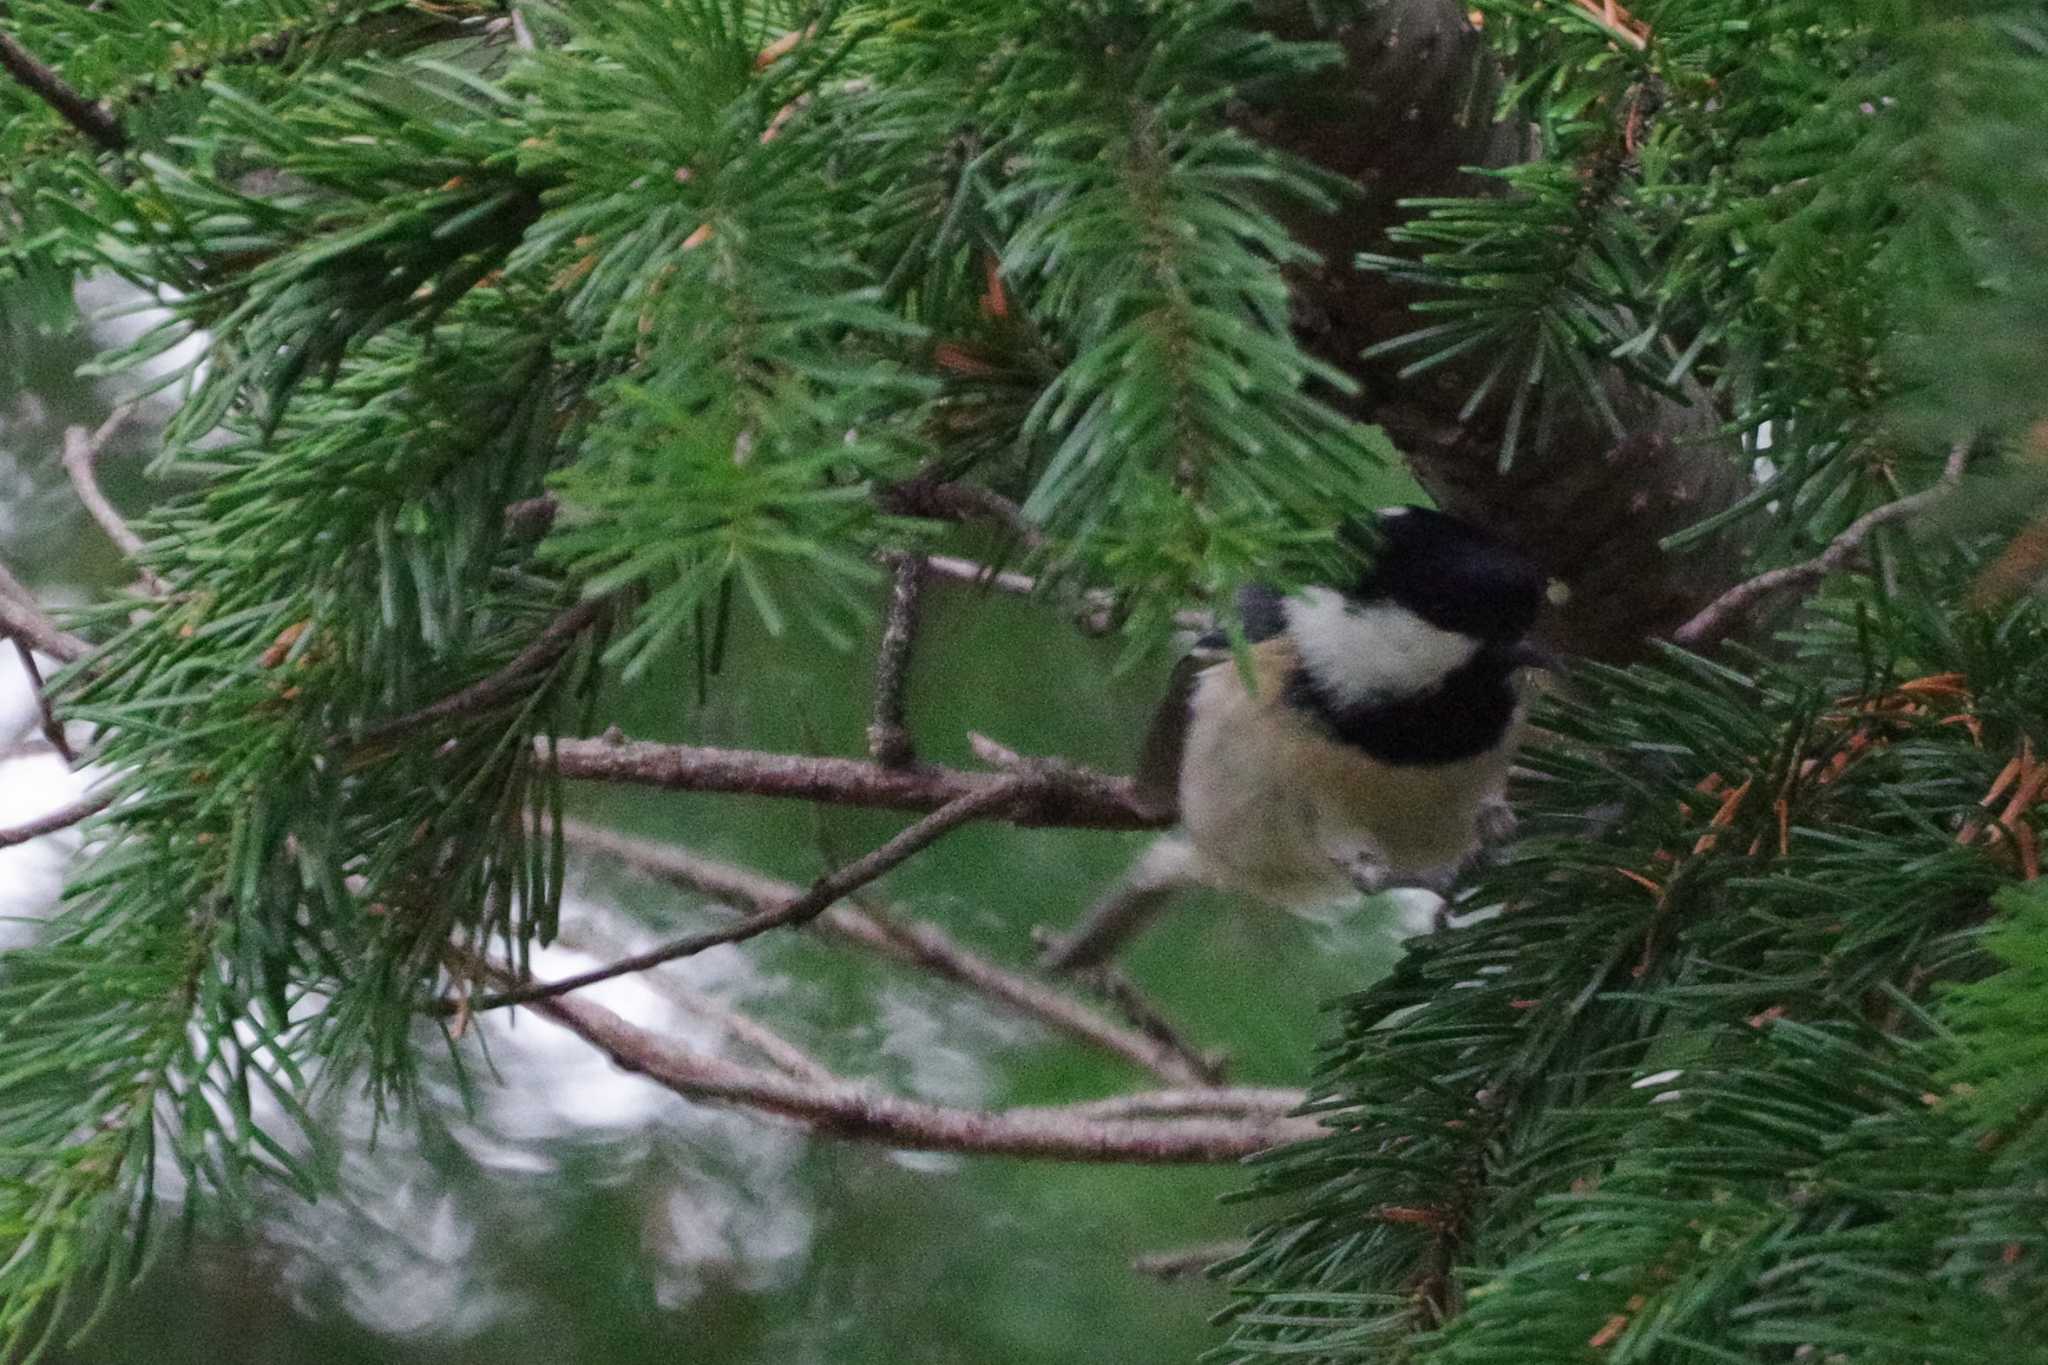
[[1528, 655]]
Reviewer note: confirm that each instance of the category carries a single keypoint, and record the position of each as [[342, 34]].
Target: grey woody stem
[[1724, 613], [920, 944], [1073, 798], [889, 739], [61, 818], [844, 1109], [813, 902]]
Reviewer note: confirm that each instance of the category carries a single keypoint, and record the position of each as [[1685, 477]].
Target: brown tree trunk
[[1413, 108]]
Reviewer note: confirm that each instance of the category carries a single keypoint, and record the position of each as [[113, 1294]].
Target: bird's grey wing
[[1260, 612], [1158, 777]]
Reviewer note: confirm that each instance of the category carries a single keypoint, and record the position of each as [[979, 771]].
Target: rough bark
[[1411, 112]]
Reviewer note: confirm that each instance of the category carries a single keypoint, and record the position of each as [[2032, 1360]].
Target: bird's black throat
[[1462, 717]]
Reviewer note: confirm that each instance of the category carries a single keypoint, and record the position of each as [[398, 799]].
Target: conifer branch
[[81, 454], [87, 116], [847, 1110], [504, 685], [1183, 1263], [1116, 986], [61, 818], [736, 1024], [814, 901], [1098, 607], [1070, 797], [53, 729], [21, 621], [1724, 613], [1214, 1101], [1613, 19], [920, 944], [982, 575], [889, 739], [1590, 506], [957, 501]]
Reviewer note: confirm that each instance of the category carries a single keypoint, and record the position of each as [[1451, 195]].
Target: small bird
[[1366, 749]]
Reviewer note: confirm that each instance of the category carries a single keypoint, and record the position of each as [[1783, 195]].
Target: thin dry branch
[[25, 624], [889, 738], [503, 685], [948, 501], [1185, 1263], [53, 729], [88, 116], [82, 450], [981, 575], [735, 1024], [813, 902], [1122, 992], [920, 944], [1097, 613], [1725, 612], [847, 1110], [61, 818], [1211, 1101], [1618, 22], [1098, 608], [1069, 797]]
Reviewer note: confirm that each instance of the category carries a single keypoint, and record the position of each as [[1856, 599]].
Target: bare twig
[[786, 1056], [889, 739], [931, 948], [14, 588], [939, 498], [742, 1028], [1213, 1101], [843, 1109], [87, 116], [1074, 798], [1725, 612], [1186, 1263], [920, 944], [61, 818], [1147, 1018], [81, 452], [981, 575], [1097, 607], [22, 622], [28, 630], [822, 894], [53, 729], [1618, 22], [500, 686]]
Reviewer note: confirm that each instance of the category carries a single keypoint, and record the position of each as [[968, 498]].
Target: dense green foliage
[[700, 289], [716, 293], [1697, 1092], [1682, 1093]]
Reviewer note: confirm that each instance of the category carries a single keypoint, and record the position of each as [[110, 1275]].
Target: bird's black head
[[1451, 574]]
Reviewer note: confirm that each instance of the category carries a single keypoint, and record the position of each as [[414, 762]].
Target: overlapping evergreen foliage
[[1696, 1085], [1706, 1087], [713, 275]]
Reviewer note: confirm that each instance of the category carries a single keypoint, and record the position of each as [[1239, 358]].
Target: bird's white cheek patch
[[1375, 652]]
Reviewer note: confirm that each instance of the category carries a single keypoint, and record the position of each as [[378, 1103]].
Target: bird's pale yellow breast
[[1274, 803]]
